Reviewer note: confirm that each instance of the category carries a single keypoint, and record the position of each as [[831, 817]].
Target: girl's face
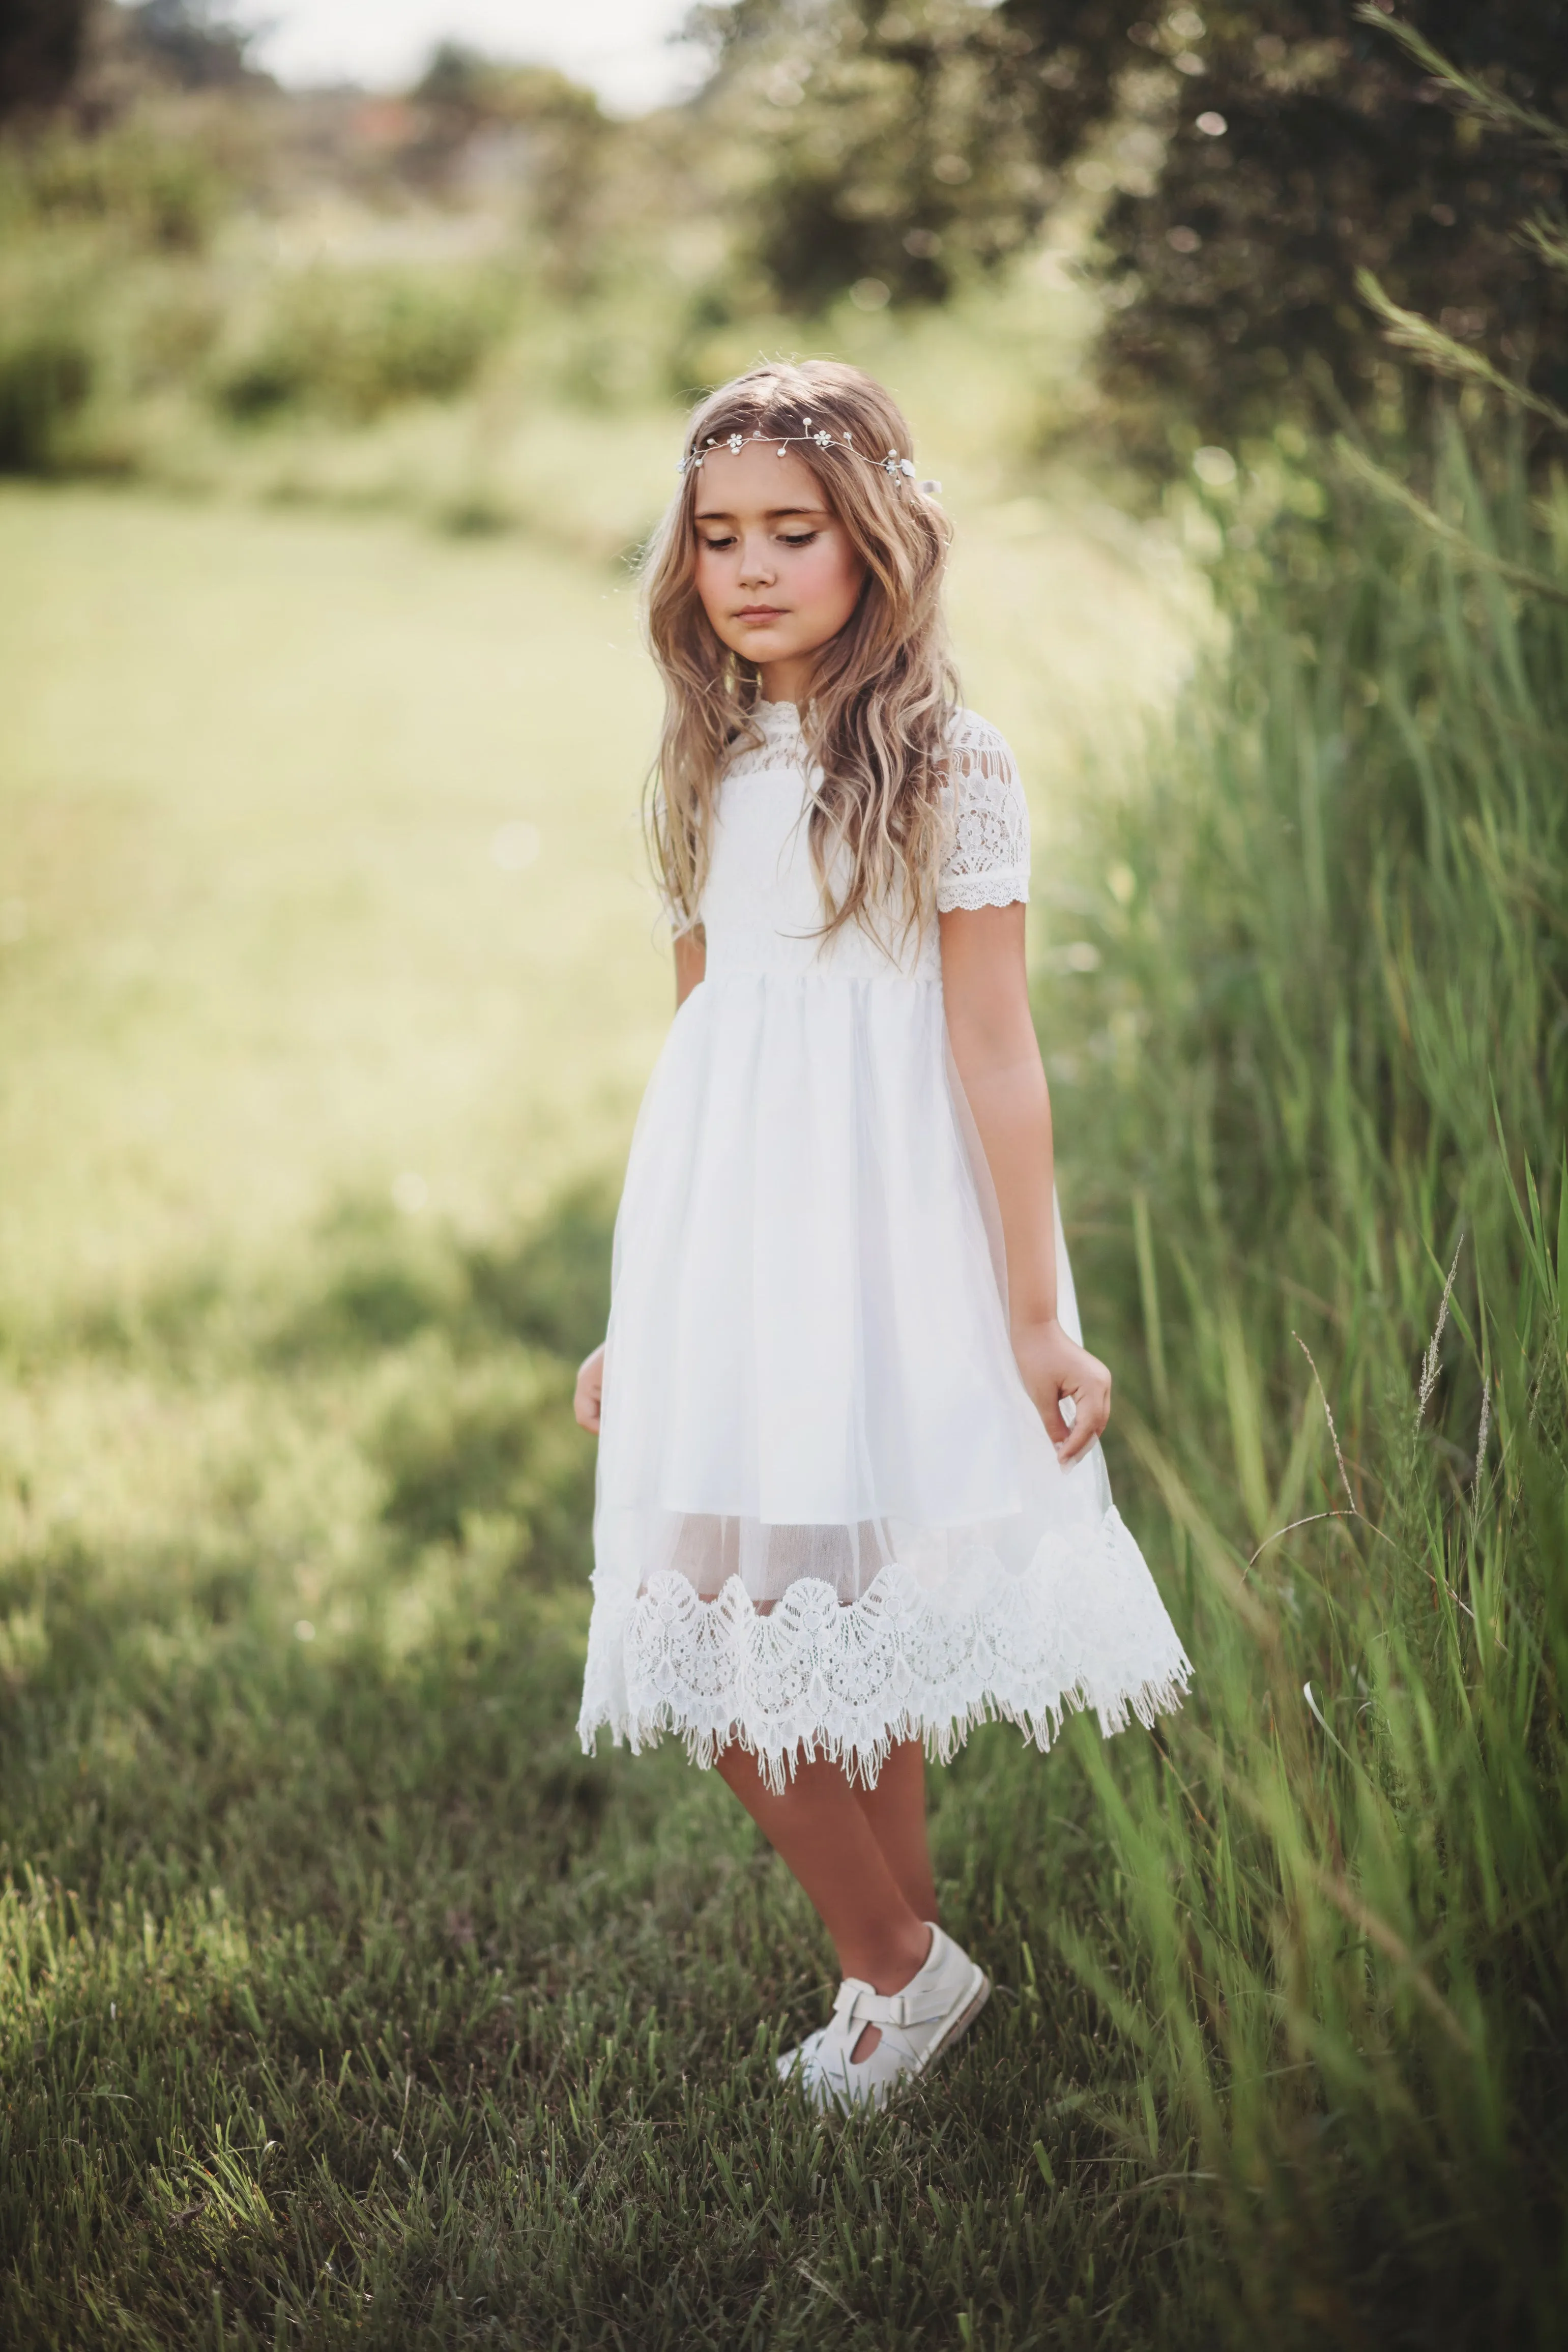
[[776, 570]]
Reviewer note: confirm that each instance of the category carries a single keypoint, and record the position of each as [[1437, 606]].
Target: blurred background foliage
[[1247, 161], [341, 1999], [187, 244]]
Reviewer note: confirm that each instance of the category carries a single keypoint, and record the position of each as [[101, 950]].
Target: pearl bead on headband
[[893, 465]]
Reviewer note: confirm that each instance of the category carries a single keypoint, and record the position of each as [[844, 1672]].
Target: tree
[[904, 144], [1262, 154], [1304, 144], [195, 43], [41, 47], [526, 124]]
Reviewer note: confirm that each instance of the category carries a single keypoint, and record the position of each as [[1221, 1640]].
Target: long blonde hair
[[882, 691]]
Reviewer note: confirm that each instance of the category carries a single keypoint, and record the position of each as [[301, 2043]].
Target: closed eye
[[787, 539]]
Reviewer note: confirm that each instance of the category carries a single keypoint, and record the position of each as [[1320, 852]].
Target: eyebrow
[[772, 514]]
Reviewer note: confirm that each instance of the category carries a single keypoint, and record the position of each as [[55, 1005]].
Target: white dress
[[829, 1515]]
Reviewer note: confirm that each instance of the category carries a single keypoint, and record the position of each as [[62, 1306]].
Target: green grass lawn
[[324, 868], [322, 864], [341, 1998]]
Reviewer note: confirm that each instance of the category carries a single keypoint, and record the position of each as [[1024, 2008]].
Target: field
[[341, 1996], [324, 863], [342, 1999]]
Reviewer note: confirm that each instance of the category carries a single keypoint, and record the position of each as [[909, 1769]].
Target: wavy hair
[[882, 689]]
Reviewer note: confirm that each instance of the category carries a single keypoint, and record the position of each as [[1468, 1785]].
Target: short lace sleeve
[[987, 860]]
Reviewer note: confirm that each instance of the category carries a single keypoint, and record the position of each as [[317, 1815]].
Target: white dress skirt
[[828, 1517]]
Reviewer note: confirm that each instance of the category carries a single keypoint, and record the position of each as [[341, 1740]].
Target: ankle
[[889, 1964]]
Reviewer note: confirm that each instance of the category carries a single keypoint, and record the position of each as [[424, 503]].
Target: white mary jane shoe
[[800, 2060], [943, 1997]]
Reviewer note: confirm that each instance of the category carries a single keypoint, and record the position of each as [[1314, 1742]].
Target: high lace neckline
[[780, 717]]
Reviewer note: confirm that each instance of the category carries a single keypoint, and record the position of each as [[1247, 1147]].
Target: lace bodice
[[986, 863]]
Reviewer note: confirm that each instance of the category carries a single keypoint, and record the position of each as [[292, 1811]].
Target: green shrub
[[155, 190], [47, 372], [357, 342]]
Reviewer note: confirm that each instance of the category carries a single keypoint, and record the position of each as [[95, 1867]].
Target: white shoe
[[943, 1997], [801, 2059]]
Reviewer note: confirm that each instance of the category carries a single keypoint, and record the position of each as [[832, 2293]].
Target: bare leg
[[896, 1808], [826, 1832]]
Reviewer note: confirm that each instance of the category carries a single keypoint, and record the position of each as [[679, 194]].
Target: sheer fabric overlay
[[828, 1517]]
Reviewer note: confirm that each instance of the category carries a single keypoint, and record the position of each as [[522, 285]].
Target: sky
[[621, 47]]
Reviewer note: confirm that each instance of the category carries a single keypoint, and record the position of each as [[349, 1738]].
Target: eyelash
[[801, 539]]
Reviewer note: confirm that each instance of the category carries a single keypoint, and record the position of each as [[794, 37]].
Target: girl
[[850, 1494]]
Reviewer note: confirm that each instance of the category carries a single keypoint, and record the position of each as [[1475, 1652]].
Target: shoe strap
[[859, 2003]]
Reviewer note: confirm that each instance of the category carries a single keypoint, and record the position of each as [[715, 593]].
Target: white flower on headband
[[893, 465]]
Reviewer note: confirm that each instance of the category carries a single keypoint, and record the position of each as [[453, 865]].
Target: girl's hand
[[1054, 1366], [587, 1402]]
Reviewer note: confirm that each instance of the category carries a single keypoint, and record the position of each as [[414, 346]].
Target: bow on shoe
[[859, 2003]]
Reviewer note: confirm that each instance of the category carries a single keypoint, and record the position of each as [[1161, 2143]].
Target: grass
[[323, 865], [341, 1998], [1322, 1116], [297, 1841], [348, 1978]]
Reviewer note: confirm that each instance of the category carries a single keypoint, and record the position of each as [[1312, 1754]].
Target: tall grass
[[342, 1999], [1319, 1137]]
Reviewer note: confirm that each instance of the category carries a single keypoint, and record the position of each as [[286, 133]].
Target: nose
[[756, 561]]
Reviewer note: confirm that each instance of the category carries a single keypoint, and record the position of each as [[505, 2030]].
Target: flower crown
[[893, 465]]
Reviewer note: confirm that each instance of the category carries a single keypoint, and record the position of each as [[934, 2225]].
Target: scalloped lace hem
[[1083, 1628], [968, 891]]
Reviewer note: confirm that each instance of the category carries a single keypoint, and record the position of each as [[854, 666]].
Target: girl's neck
[[788, 681]]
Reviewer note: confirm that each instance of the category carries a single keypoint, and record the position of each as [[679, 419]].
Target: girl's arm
[[985, 987], [690, 963], [587, 1403]]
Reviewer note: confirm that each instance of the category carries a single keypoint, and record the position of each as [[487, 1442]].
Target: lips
[[760, 612]]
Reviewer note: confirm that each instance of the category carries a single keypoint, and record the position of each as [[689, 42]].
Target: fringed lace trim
[[1083, 1628]]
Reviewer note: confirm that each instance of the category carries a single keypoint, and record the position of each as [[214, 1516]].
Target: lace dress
[[829, 1515]]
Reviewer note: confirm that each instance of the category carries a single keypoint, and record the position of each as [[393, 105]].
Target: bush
[[356, 343], [47, 371], [151, 189]]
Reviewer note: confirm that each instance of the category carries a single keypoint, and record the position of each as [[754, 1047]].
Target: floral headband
[[893, 465]]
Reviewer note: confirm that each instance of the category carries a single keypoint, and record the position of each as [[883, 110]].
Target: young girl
[[850, 1494]]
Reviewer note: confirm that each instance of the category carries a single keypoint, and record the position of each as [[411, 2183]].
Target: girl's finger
[[1050, 1412], [1093, 1413], [586, 1406]]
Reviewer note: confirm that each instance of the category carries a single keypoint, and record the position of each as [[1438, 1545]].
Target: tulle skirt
[[828, 1517]]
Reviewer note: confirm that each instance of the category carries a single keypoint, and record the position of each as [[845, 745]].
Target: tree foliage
[[41, 44], [195, 43], [907, 143], [528, 124], [1255, 156], [1308, 147]]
